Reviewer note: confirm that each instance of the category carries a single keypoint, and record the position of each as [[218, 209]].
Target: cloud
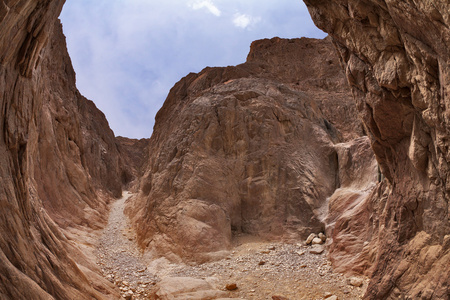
[[199, 4], [128, 54], [244, 21]]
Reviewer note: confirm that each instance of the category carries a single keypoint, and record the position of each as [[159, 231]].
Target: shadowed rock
[[59, 161], [396, 57]]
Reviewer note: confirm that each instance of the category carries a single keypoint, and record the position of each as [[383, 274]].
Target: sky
[[127, 54]]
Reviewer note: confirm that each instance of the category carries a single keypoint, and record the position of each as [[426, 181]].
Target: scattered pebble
[[231, 286], [279, 298], [355, 281], [288, 269], [120, 260]]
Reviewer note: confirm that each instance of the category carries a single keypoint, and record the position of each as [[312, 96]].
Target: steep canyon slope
[[252, 149], [271, 147], [396, 57], [59, 161]]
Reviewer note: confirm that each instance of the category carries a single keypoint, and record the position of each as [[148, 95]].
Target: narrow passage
[[118, 256], [260, 269]]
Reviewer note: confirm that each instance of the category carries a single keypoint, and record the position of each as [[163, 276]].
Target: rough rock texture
[[245, 149], [396, 57], [76, 152], [134, 155], [350, 208], [179, 288], [59, 161], [311, 67]]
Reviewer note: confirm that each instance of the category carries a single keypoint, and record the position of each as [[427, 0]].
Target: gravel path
[[118, 257], [261, 270]]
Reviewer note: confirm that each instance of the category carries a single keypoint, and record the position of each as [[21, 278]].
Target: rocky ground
[[262, 270], [118, 257], [255, 269]]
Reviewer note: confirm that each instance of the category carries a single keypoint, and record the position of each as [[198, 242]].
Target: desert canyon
[[346, 138]]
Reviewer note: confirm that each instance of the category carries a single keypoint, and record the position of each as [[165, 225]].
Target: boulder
[[245, 149], [173, 288], [316, 241], [310, 238], [317, 249]]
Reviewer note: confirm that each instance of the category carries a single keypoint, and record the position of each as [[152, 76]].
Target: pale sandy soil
[[260, 269]]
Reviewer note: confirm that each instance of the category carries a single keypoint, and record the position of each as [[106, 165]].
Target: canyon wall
[[59, 161], [396, 58], [251, 149], [133, 154], [271, 147]]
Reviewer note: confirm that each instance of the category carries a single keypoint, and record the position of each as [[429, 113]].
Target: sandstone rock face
[[76, 152], [59, 161], [350, 218], [245, 149], [396, 57], [133, 155]]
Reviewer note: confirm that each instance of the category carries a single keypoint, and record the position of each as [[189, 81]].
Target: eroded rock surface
[[134, 154], [246, 149], [396, 57], [59, 162]]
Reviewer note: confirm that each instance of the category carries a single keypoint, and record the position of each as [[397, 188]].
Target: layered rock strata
[[396, 57], [246, 149], [59, 162]]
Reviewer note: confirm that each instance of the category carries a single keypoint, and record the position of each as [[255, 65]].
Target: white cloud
[[199, 4], [128, 54], [244, 21]]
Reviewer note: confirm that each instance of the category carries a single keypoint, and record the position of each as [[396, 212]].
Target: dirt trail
[[260, 269], [263, 269], [118, 257]]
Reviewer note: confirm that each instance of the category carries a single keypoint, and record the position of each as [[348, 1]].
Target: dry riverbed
[[255, 269]]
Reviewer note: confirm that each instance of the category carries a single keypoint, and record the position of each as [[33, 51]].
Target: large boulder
[[246, 149]]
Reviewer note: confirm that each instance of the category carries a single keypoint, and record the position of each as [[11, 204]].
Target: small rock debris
[[253, 270]]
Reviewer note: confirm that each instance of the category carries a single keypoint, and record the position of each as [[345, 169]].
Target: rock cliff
[[271, 147], [134, 154], [59, 161], [396, 57], [249, 149]]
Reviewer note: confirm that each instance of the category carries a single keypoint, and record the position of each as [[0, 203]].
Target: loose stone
[[310, 238], [316, 249], [316, 241], [231, 286]]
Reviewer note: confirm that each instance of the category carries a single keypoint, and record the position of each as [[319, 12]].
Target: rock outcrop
[[396, 57], [134, 154], [246, 149], [59, 161]]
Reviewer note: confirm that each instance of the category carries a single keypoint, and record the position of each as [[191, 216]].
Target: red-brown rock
[[396, 56], [56, 154], [245, 149], [134, 156]]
